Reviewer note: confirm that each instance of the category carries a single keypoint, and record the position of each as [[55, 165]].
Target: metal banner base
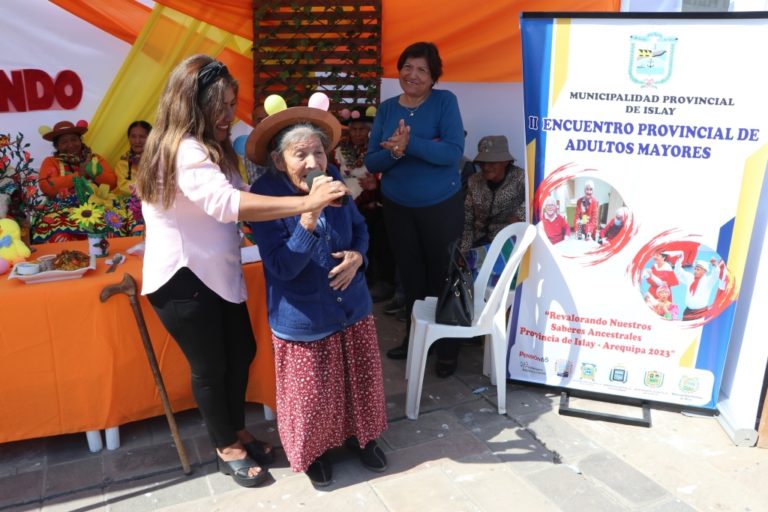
[[645, 421]]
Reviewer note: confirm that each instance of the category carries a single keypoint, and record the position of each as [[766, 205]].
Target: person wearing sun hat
[[71, 159], [320, 311], [72, 168]]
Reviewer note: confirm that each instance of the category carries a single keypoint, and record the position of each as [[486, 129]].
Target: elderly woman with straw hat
[[330, 389], [71, 159], [71, 173]]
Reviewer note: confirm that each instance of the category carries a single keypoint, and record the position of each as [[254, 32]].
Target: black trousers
[[381, 262], [419, 238], [217, 339]]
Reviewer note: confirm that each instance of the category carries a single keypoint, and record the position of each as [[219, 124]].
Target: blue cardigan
[[428, 173], [302, 305]]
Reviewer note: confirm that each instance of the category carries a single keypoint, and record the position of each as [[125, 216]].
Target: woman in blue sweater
[[330, 389], [416, 143]]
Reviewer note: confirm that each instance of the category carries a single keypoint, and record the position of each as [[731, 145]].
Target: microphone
[[314, 174]]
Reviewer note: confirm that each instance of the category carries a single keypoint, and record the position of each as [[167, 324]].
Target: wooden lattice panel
[[304, 46]]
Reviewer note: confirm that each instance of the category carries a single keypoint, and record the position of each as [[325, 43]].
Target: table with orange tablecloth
[[69, 363]]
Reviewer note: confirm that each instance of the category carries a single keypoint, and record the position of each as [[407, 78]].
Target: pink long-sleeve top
[[199, 231]]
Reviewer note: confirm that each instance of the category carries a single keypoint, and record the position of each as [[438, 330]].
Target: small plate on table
[[50, 275]]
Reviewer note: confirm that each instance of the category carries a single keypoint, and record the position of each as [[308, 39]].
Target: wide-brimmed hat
[[493, 148], [257, 146], [63, 128]]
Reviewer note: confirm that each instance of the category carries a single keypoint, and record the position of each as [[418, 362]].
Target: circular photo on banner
[[586, 218], [684, 281]]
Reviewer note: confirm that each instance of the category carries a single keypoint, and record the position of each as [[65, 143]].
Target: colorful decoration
[[274, 103], [12, 249], [319, 100], [20, 198]]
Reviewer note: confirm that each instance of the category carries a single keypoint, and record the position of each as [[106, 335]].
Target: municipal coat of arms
[[650, 60]]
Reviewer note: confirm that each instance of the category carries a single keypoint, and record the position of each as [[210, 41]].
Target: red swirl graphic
[[674, 240]]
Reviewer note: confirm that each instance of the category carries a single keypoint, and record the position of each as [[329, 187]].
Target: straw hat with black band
[[259, 143]]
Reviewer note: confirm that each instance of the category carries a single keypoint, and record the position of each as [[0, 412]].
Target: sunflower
[[87, 216]]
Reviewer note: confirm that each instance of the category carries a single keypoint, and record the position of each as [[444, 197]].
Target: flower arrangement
[[18, 180], [98, 211]]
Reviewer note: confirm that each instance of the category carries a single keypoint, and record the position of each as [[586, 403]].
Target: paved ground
[[459, 456]]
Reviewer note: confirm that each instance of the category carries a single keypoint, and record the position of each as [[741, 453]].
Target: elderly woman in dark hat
[[330, 389], [72, 158], [495, 196]]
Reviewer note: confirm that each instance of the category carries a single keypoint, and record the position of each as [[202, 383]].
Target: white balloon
[[319, 100]]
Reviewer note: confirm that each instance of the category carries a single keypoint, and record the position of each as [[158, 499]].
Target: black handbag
[[455, 303]]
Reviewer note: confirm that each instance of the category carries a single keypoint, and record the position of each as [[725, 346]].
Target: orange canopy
[[478, 42]]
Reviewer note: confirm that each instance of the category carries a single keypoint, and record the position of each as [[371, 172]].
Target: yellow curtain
[[166, 39]]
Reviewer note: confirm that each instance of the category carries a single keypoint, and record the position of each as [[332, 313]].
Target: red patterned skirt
[[329, 390]]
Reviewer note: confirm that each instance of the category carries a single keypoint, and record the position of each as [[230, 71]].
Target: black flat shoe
[[399, 352], [261, 452], [239, 469], [372, 456], [445, 369], [320, 472]]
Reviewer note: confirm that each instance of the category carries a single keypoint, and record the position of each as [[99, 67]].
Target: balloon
[[4, 266], [344, 113], [319, 100], [239, 144], [44, 129], [274, 104], [370, 112]]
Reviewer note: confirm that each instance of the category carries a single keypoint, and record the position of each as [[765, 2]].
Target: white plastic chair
[[489, 320]]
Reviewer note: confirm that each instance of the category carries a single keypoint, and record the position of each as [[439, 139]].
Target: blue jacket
[[302, 305]]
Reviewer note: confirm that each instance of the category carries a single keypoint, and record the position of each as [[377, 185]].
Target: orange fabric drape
[[121, 18], [478, 42], [234, 16]]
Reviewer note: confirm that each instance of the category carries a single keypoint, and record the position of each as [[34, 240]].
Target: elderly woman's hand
[[343, 273]]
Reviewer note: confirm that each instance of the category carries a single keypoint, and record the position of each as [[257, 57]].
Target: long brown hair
[[184, 109]]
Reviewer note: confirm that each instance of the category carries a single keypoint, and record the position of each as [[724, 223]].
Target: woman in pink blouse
[[193, 197]]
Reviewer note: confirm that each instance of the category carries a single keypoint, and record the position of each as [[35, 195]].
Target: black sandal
[[239, 470], [320, 472], [260, 451]]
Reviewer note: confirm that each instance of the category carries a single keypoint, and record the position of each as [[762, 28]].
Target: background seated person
[[555, 226], [126, 168], [614, 226], [495, 199], [72, 158], [365, 190], [585, 215]]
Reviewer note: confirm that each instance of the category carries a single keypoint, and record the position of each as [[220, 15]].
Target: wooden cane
[[128, 287]]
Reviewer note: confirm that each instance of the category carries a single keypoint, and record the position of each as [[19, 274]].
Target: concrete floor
[[460, 455]]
